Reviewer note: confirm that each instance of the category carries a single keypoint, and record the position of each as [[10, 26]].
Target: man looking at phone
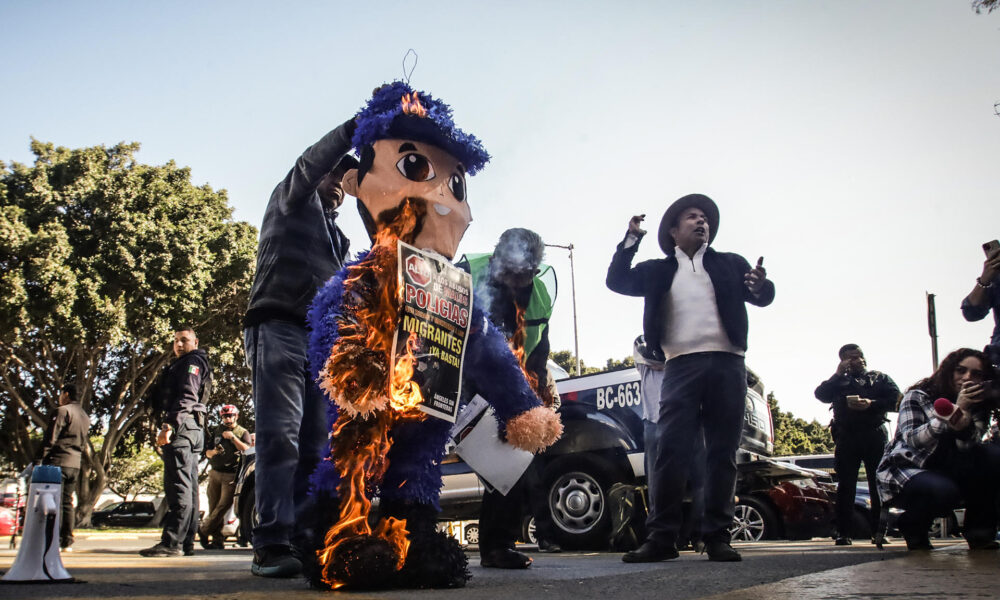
[[227, 442], [859, 399], [985, 295], [695, 320]]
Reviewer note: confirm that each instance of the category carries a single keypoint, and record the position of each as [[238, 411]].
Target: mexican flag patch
[[193, 370]]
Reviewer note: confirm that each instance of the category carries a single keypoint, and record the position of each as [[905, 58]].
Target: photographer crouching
[[940, 455]]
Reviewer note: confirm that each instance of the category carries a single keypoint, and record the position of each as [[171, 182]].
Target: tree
[[566, 360], [793, 436], [100, 258], [988, 5], [136, 473]]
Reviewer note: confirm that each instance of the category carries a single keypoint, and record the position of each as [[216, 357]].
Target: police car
[[603, 445]]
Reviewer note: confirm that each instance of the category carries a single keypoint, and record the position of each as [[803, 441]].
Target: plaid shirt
[[918, 434], [300, 245]]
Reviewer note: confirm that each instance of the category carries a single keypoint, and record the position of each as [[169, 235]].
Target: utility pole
[[572, 284], [932, 328]]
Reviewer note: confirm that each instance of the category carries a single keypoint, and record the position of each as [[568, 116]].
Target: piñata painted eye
[[456, 183], [416, 167]]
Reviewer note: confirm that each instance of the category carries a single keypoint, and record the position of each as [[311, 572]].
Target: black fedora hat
[[701, 201]]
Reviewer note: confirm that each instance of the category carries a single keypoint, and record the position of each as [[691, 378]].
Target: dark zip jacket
[[651, 279], [66, 436], [300, 245]]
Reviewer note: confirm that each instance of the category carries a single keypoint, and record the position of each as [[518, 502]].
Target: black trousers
[[854, 448], [70, 477], [972, 475], [180, 485], [703, 393], [500, 516]]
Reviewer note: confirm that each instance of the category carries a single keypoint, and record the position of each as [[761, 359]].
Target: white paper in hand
[[499, 464]]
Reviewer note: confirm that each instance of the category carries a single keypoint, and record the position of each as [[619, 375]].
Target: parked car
[[603, 444], [139, 513]]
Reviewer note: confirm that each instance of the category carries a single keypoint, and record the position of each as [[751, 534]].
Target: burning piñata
[[410, 186]]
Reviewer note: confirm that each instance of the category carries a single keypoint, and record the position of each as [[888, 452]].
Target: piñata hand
[[534, 430]]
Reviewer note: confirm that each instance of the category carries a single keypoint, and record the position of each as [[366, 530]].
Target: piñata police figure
[[411, 188]]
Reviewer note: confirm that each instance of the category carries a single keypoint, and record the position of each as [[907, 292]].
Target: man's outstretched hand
[[633, 225]]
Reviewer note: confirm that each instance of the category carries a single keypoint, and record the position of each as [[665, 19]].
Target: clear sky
[[853, 144]]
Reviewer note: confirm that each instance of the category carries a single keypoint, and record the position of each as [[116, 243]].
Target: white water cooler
[[38, 559]]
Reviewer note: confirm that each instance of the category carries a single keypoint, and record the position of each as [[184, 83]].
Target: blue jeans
[[290, 413], [703, 392], [971, 475]]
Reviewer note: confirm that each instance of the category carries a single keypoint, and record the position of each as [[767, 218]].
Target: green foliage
[[624, 363], [136, 472], [793, 436], [987, 5], [100, 257], [566, 360]]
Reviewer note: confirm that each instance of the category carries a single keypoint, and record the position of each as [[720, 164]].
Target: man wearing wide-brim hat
[[695, 318]]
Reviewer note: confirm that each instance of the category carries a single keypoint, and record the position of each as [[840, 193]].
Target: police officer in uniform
[[181, 391]]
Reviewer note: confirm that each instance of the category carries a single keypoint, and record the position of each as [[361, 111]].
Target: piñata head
[[411, 150]]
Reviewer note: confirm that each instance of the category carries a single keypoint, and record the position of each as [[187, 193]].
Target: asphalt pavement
[[107, 566]]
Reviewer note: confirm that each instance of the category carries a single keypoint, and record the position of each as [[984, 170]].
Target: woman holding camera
[[937, 459]]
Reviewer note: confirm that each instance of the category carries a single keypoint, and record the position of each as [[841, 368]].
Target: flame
[[411, 105], [517, 347], [405, 394], [370, 396]]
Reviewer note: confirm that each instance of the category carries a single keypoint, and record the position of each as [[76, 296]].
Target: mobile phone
[[990, 246], [760, 262]]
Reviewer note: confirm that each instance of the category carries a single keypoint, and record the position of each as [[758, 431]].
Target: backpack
[[628, 516]]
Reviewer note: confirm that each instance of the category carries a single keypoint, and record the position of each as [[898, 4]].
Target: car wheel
[[248, 515], [952, 530], [528, 530], [472, 533], [578, 499], [752, 521]]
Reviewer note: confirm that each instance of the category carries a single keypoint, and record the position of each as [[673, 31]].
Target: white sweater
[[691, 321]]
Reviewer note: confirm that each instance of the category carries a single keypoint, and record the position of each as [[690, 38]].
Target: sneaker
[[650, 551], [160, 550], [203, 539], [722, 552], [275, 561], [66, 549], [505, 558], [549, 547], [843, 541], [881, 540], [189, 551]]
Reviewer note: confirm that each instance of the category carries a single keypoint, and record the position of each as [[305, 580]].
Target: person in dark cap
[[695, 320], [300, 248]]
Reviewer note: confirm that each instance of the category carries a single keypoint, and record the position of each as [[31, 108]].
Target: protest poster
[[434, 319]]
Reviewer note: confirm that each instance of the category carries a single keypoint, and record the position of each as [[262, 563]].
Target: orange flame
[[411, 105], [371, 397], [517, 347]]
